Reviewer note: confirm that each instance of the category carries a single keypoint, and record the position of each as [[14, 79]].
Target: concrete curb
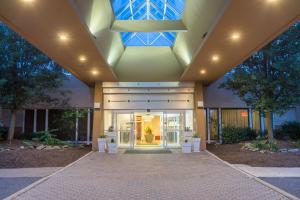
[[29, 187], [284, 193]]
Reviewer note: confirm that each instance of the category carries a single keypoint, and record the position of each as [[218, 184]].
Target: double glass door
[[149, 129]]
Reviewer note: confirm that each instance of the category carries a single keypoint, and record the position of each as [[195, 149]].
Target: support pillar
[[220, 125], [262, 122], [23, 120], [76, 127], [208, 125], [98, 119], [250, 118], [34, 120], [88, 131], [199, 114], [47, 120]]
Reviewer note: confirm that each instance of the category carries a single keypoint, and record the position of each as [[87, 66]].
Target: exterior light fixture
[[235, 36], [202, 71], [94, 72], [63, 37], [82, 58], [215, 58], [27, 1]]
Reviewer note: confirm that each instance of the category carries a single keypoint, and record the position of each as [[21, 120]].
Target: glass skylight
[[148, 10]]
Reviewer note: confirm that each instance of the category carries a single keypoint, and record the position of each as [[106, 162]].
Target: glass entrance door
[[173, 122]]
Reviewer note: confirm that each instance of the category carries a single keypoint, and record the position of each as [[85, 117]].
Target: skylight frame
[[148, 10]]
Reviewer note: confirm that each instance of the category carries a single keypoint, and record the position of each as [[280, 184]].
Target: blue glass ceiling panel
[[148, 10]]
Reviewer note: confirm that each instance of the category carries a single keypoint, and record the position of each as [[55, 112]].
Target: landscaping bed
[[20, 155], [236, 154]]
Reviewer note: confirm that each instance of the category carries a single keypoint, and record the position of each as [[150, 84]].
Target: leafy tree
[[27, 76], [269, 81]]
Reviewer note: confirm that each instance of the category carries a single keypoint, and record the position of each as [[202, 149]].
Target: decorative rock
[[293, 150], [22, 147], [41, 147]]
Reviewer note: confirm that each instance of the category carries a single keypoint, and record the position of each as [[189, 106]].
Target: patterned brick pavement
[[150, 176]]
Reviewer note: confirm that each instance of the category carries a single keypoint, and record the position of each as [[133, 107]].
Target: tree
[[269, 81], [27, 76]]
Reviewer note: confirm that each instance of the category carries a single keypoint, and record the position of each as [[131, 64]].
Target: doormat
[[147, 151]]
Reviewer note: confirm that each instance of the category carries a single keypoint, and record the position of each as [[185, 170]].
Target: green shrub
[[289, 130], [3, 132], [233, 135], [264, 144], [47, 138]]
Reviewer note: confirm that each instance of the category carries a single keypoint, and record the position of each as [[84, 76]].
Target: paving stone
[[150, 176]]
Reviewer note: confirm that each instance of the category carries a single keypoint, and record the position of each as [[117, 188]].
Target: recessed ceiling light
[[235, 36], [215, 58], [202, 71], [95, 72], [82, 58], [28, 1], [63, 36]]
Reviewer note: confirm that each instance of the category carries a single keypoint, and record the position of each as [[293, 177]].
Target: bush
[[289, 130], [3, 132], [47, 138], [264, 144], [233, 135]]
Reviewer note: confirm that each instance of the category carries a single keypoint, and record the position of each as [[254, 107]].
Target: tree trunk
[[11, 131], [269, 125]]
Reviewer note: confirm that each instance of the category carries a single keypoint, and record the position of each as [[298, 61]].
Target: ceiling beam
[[148, 26]]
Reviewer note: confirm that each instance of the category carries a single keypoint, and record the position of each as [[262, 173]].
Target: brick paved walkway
[[150, 176]]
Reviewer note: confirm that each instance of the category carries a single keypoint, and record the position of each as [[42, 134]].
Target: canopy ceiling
[[204, 40]]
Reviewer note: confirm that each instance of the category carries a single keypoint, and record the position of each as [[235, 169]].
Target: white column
[[23, 122], [76, 127], [47, 120], [250, 118], [34, 120], [208, 125], [220, 125], [262, 122], [88, 131]]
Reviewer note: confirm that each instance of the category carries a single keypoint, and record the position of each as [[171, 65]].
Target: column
[[88, 131], [199, 114], [208, 125], [250, 118], [23, 120], [220, 125], [98, 119], [262, 122], [76, 127], [47, 120], [34, 120]]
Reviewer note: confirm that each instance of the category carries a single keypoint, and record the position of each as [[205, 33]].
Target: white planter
[[101, 144], [112, 148], [187, 147], [196, 144]]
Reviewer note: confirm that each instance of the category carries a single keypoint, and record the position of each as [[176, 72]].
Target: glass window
[[148, 10], [235, 117]]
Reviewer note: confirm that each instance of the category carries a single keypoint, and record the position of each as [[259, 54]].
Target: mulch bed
[[233, 154], [25, 158]]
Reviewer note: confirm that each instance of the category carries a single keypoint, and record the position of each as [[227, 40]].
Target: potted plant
[[111, 129], [149, 136], [101, 143], [186, 147], [112, 146], [196, 142]]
